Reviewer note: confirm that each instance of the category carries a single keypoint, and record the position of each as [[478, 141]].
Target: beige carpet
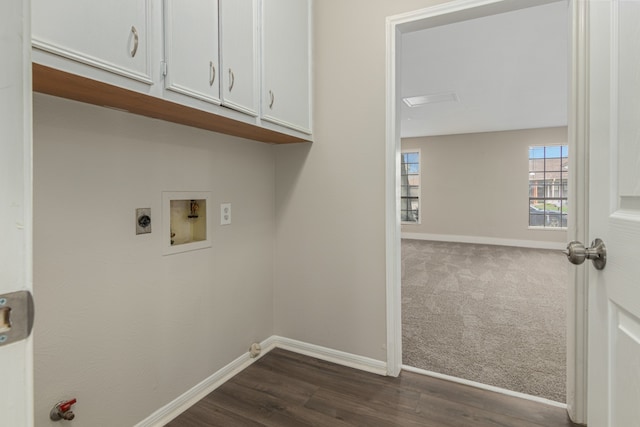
[[491, 314]]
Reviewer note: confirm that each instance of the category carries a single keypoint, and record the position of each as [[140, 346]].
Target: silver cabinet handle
[[232, 80], [212, 73], [135, 41], [273, 98]]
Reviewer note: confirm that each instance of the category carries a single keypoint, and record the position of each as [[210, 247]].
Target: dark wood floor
[[287, 389]]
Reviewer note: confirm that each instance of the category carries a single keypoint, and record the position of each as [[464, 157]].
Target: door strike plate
[[16, 316]]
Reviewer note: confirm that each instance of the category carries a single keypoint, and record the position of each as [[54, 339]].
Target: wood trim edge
[[71, 86]]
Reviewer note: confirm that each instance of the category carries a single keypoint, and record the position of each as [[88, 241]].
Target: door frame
[[16, 207], [455, 11]]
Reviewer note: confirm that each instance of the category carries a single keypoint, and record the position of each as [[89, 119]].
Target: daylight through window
[[548, 173], [410, 180]]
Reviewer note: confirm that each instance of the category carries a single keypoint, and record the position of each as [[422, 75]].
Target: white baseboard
[[484, 386], [534, 244], [335, 356], [174, 408]]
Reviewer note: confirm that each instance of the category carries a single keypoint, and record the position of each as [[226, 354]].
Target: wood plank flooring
[[285, 389]]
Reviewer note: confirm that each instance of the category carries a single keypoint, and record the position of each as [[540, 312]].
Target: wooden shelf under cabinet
[[65, 85]]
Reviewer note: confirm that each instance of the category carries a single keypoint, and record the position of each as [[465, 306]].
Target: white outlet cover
[[225, 213]]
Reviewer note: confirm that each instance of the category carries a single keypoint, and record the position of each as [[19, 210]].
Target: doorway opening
[[436, 18]]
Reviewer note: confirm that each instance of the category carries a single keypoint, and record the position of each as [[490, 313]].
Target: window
[[548, 173], [410, 181]]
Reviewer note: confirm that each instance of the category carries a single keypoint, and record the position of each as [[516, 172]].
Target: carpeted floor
[[491, 314]]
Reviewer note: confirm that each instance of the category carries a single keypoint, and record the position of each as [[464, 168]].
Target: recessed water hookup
[[186, 221], [62, 411]]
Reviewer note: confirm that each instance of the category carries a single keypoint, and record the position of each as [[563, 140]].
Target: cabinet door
[[112, 35], [239, 54], [286, 63], [191, 48]]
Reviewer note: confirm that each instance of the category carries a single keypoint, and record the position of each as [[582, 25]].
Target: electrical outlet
[[143, 220], [225, 214]]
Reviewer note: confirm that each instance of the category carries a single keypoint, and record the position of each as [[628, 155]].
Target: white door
[[239, 54], [112, 35], [16, 389], [614, 213], [191, 49], [286, 66]]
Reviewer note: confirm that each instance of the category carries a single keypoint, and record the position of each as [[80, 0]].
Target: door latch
[[16, 316]]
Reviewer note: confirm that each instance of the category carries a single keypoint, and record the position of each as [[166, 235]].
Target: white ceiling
[[509, 71]]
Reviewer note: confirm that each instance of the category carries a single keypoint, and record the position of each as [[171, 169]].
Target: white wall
[[119, 326], [330, 205], [477, 185]]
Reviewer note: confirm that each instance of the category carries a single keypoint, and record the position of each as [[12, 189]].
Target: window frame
[[544, 184], [419, 174]]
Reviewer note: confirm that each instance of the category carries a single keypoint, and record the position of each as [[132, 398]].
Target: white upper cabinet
[[191, 48], [111, 35], [239, 55], [286, 63], [241, 67]]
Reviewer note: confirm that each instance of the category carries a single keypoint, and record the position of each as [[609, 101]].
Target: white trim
[[484, 386], [392, 200], [419, 151], [542, 228], [278, 121], [183, 402], [330, 355], [481, 240], [456, 11], [577, 316], [183, 90], [443, 14], [88, 60], [239, 107]]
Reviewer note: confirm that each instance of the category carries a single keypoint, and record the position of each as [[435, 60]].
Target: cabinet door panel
[[286, 63], [239, 55], [191, 48], [111, 35]]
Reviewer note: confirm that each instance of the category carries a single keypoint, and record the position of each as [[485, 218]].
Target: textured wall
[[478, 184], [119, 326]]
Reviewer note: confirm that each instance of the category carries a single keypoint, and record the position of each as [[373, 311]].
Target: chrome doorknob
[[577, 253]]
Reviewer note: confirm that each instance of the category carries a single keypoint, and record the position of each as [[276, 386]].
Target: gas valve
[[62, 411]]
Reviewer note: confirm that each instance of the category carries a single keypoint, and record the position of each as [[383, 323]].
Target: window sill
[[549, 228]]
